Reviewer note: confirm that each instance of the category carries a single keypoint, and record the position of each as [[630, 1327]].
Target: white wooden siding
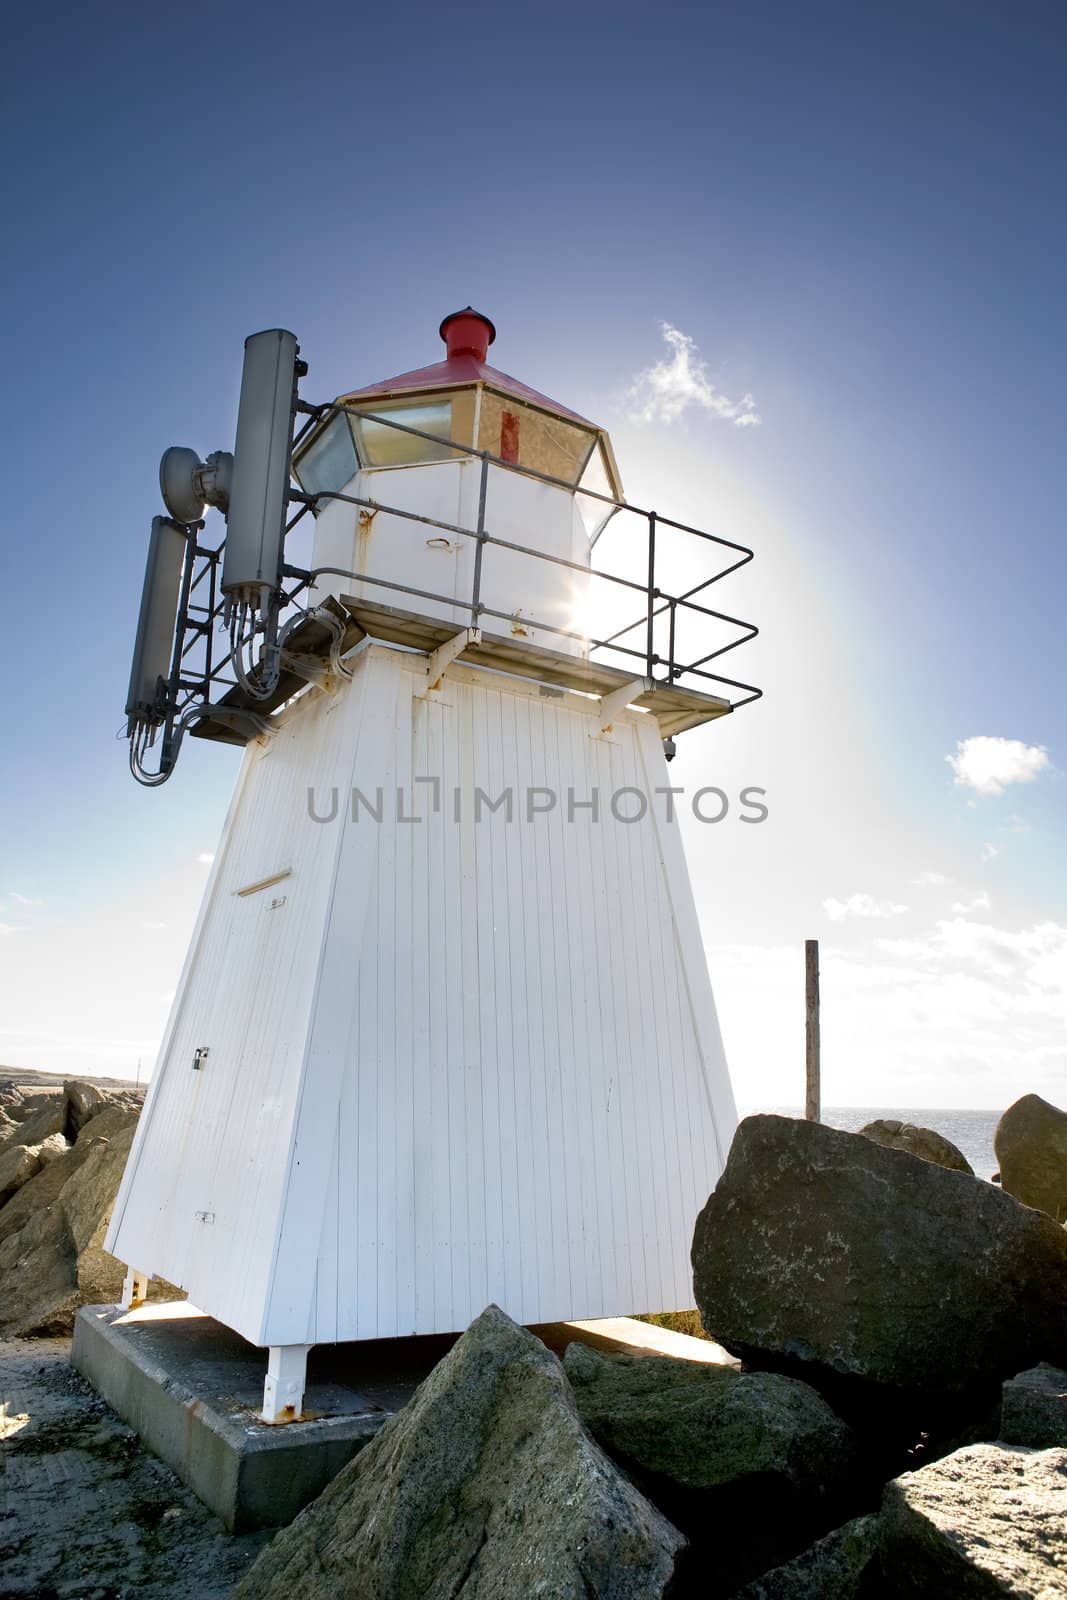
[[464, 1061]]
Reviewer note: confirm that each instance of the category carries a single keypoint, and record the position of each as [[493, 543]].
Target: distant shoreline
[[43, 1081]]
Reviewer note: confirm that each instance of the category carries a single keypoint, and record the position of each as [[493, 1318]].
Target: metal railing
[[203, 662], [657, 601]]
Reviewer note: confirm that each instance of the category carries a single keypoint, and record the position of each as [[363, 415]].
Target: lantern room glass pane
[[329, 462], [382, 445], [594, 513], [533, 439]]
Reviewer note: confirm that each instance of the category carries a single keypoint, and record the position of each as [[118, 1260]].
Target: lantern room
[[414, 447]]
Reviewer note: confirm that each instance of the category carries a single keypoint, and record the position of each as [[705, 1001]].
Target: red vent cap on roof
[[467, 332]]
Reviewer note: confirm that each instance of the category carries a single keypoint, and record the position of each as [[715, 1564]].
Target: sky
[[804, 262]]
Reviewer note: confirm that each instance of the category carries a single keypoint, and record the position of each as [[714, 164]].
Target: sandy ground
[[85, 1512]]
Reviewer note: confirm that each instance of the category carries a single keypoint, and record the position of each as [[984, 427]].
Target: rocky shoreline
[[893, 1421], [897, 1425]]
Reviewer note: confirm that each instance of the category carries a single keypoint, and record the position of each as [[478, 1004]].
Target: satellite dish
[[179, 483], [188, 484]]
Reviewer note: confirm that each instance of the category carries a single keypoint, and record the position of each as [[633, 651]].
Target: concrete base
[[192, 1390]]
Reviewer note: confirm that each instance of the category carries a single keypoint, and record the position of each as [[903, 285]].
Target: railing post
[[650, 650], [670, 644], [476, 590]]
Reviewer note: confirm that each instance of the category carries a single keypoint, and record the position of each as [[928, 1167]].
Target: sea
[[970, 1131]]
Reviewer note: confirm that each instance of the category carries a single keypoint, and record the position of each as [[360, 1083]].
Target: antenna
[[153, 647], [170, 687], [251, 568], [187, 484]]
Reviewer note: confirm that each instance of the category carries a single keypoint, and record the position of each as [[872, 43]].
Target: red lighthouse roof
[[467, 335]]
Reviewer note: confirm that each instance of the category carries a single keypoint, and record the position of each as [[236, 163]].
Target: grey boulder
[[878, 1277], [925, 1143], [844, 1565], [1031, 1147], [986, 1521], [1033, 1408], [485, 1486], [750, 1466]]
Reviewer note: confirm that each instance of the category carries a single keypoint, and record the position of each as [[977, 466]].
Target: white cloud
[[1036, 956], [988, 764], [989, 852], [6, 928], [978, 902], [205, 858], [664, 391], [931, 880], [861, 905], [22, 899], [153, 925], [963, 1014]]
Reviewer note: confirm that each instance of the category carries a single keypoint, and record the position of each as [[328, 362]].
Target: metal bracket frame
[[613, 704], [445, 654], [311, 668], [242, 720]]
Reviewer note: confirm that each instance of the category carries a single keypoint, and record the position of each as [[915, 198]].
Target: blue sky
[[856, 214]]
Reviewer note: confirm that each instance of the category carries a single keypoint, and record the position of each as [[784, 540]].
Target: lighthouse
[[445, 1034]]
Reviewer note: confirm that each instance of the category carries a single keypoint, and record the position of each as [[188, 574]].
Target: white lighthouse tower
[[445, 1033]]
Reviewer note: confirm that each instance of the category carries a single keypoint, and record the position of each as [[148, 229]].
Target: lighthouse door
[[226, 1035]]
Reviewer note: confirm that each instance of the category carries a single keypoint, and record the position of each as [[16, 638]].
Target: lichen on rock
[[878, 1277], [758, 1454], [485, 1486]]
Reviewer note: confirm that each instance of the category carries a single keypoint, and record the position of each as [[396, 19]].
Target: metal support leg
[[283, 1392], [134, 1289]]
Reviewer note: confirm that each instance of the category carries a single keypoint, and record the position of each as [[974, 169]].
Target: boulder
[[485, 1486], [845, 1565], [986, 1521], [44, 1117], [1033, 1408], [83, 1101], [41, 1191], [52, 1148], [18, 1164], [18, 1105], [53, 1261], [757, 1453], [38, 1278], [884, 1280], [1031, 1147], [922, 1142]]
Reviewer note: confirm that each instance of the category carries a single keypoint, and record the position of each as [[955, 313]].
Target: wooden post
[[813, 1095]]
